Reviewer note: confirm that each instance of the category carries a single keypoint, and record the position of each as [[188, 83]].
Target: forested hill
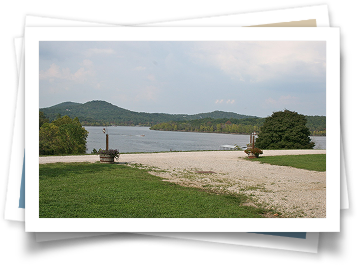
[[102, 113]]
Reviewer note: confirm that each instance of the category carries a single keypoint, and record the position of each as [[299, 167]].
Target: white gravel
[[289, 191]]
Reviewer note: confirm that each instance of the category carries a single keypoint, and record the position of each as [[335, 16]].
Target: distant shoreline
[[213, 132], [173, 130]]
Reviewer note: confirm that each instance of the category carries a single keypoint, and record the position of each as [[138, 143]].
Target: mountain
[[219, 115], [101, 113]]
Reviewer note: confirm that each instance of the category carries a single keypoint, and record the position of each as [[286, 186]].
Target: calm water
[[141, 139]]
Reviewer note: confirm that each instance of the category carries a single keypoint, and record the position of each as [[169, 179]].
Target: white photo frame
[[328, 224]]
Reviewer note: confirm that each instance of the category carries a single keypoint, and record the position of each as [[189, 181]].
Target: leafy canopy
[[284, 130], [62, 136]]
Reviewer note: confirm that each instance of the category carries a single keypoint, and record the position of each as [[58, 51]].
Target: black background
[[134, 247]]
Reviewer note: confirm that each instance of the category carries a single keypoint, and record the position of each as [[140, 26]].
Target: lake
[[141, 139]]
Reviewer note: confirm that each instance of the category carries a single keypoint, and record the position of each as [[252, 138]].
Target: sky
[[187, 77]]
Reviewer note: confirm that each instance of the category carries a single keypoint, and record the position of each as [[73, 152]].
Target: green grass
[[316, 162], [94, 190]]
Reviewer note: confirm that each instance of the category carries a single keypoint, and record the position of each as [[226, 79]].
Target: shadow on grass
[[65, 169]]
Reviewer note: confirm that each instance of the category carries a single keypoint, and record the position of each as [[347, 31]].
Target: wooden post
[[107, 141], [253, 139]]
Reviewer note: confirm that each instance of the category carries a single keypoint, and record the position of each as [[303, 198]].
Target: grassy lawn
[[94, 190], [316, 162]]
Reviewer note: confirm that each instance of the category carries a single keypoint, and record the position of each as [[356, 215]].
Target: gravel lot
[[290, 191]]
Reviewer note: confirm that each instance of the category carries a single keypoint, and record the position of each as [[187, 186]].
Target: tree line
[[315, 124]]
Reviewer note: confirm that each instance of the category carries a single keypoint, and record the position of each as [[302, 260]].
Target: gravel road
[[291, 192]]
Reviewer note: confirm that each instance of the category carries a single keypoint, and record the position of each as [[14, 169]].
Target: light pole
[[106, 139]]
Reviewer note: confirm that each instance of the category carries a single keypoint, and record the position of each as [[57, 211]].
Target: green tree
[[284, 130], [49, 143], [43, 119], [62, 136], [219, 127]]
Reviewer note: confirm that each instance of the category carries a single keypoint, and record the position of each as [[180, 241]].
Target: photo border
[[329, 224]]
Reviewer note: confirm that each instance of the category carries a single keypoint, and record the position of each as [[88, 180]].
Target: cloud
[[283, 101], [81, 75], [87, 63], [96, 51], [148, 93], [220, 101], [260, 61], [54, 72], [151, 77], [140, 68]]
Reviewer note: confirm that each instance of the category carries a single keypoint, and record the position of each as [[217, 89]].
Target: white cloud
[[283, 101], [87, 63], [260, 61], [53, 71], [140, 68], [95, 51], [81, 75], [151, 77], [220, 101], [148, 93]]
